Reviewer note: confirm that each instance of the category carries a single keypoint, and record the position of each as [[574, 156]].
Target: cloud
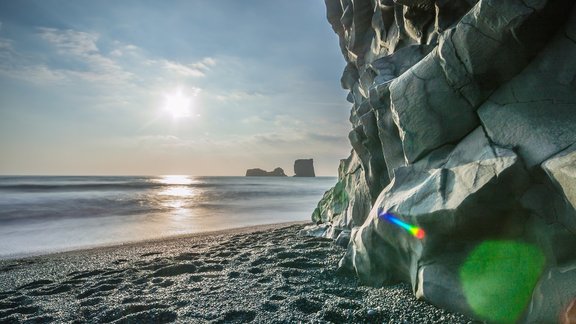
[[70, 41], [195, 70], [182, 69], [82, 46], [14, 64], [297, 139], [237, 95], [157, 139], [204, 64], [6, 45], [121, 49], [252, 120], [78, 56], [328, 139]]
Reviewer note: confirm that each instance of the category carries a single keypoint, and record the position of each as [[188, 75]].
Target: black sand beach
[[262, 274]]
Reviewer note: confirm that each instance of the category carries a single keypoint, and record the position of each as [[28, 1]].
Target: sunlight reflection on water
[[175, 180], [41, 214], [178, 195]]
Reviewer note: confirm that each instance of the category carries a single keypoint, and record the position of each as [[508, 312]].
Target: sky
[[142, 87]]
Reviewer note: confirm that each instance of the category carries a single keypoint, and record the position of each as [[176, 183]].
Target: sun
[[177, 104]]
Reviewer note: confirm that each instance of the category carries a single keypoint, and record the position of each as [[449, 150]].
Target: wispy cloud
[[237, 95], [252, 120], [70, 41], [197, 69], [82, 46], [123, 64], [16, 65], [5, 44], [205, 64], [187, 71]]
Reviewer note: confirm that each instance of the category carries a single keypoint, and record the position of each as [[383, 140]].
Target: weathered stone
[[315, 230], [304, 168], [347, 204], [554, 295], [343, 239], [561, 169], [429, 113], [536, 111], [365, 141], [455, 105], [444, 201]]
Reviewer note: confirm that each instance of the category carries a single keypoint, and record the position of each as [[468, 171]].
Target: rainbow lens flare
[[414, 230]]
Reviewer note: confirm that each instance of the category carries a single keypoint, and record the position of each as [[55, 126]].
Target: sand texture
[[265, 274]]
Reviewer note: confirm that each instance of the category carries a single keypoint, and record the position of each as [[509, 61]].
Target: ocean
[[48, 214]]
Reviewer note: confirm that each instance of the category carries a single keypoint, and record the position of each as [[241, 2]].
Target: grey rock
[[343, 238], [445, 201], [536, 111], [561, 169], [314, 230], [304, 168], [553, 295], [462, 116], [422, 99], [347, 204]]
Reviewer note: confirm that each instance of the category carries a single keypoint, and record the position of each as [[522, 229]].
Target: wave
[[104, 186], [78, 184]]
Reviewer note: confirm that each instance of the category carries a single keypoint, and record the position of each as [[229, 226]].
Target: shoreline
[[260, 274], [80, 249]]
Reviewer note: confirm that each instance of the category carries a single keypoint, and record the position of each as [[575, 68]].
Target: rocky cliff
[[278, 172], [304, 168], [464, 126]]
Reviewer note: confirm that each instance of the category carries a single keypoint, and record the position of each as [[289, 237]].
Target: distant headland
[[278, 172], [302, 168]]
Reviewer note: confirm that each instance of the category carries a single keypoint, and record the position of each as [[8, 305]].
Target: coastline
[[186, 236], [264, 273]]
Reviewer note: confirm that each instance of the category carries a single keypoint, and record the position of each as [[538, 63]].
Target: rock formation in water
[[304, 168], [278, 172], [464, 124]]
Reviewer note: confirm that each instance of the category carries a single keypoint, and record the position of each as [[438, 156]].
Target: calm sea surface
[[48, 214]]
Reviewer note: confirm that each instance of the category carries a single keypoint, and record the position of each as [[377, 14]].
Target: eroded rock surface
[[463, 124]]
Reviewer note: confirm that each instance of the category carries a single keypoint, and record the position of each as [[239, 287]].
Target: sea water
[[50, 214]]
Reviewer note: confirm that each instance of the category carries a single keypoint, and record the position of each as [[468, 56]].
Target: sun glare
[[177, 104], [175, 180]]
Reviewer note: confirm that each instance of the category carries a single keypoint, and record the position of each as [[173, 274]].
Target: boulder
[[304, 168]]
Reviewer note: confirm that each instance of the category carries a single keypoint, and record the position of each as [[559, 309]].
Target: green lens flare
[[498, 278]]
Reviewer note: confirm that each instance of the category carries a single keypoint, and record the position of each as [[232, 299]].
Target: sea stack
[[278, 172], [304, 168]]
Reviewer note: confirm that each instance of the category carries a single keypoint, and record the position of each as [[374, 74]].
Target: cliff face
[[464, 124]]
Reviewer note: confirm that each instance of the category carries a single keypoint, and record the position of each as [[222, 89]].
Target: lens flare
[[412, 229], [498, 279]]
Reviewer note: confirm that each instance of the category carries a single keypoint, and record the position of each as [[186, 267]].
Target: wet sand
[[261, 274]]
